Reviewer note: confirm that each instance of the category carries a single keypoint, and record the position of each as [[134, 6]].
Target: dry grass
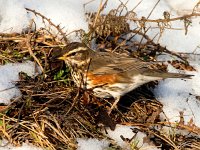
[[52, 112]]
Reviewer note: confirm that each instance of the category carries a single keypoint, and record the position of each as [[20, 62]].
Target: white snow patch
[[70, 14], [179, 95], [182, 6], [9, 75], [13, 17], [120, 130], [25, 146], [127, 132], [92, 144]]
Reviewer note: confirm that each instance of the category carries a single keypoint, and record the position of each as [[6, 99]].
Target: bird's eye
[[73, 54]]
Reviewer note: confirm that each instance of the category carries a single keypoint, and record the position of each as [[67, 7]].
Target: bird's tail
[[164, 75]]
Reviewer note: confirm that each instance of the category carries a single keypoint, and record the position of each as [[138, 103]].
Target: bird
[[109, 74]]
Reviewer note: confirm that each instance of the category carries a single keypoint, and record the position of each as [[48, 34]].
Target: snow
[[95, 144], [120, 130], [25, 146], [127, 133], [176, 95], [182, 7], [70, 14], [14, 17], [179, 95], [9, 75]]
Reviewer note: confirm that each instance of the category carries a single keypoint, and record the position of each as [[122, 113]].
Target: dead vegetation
[[52, 112]]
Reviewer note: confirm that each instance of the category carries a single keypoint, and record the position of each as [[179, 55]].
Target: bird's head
[[76, 54]]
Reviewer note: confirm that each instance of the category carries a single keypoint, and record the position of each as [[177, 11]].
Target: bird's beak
[[61, 58]]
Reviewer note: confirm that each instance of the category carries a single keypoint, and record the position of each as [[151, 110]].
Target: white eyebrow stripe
[[77, 50]]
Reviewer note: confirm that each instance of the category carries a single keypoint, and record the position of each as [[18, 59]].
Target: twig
[[28, 41], [50, 22], [136, 5], [168, 19], [153, 9], [74, 102]]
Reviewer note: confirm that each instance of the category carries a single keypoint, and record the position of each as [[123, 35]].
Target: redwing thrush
[[109, 74]]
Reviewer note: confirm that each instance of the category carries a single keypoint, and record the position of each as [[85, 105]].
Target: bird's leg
[[114, 104]]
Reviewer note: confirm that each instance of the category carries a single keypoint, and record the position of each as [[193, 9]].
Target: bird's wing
[[115, 64]]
